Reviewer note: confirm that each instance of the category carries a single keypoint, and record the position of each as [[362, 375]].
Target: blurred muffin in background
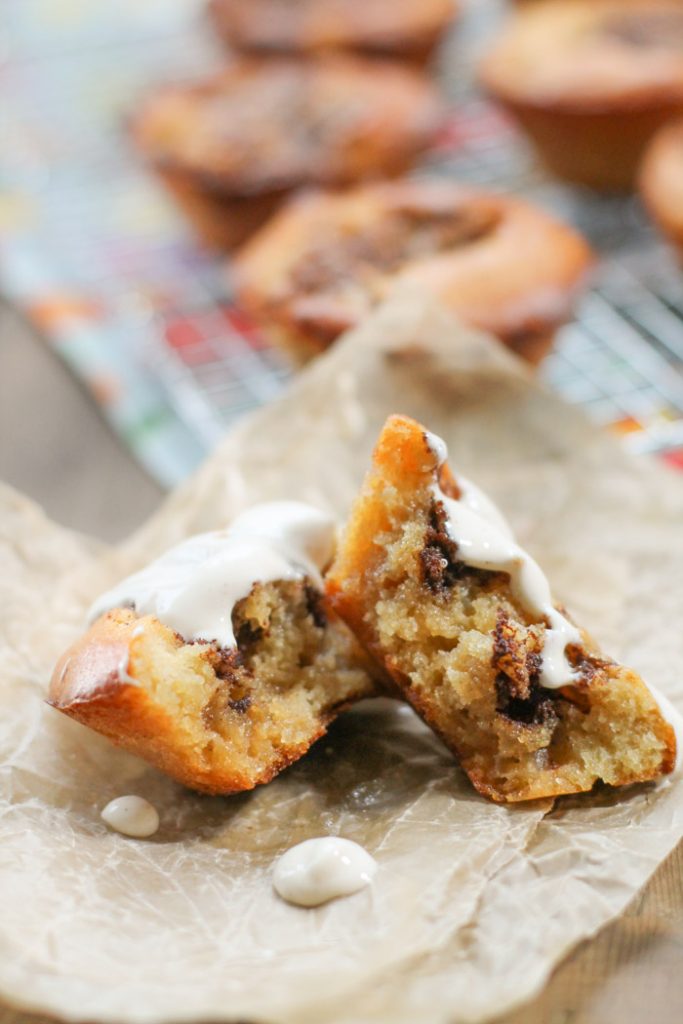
[[661, 182], [591, 81], [408, 29], [230, 148], [327, 258]]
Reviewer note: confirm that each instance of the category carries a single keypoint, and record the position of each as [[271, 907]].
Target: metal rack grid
[[158, 318], [214, 366], [622, 358]]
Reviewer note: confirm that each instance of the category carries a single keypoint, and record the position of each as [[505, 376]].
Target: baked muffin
[[661, 182], [222, 662], [503, 265], [232, 147], [430, 579], [402, 28], [591, 82]]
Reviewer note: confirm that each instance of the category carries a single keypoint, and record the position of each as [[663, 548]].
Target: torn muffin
[[221, 662], [461, 619]]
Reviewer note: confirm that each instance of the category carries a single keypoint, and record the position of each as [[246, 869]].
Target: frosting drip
[[194, 587], [485, 541]]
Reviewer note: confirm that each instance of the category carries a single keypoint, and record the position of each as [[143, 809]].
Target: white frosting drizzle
[[485, 541], [122, 672], [132, 816], [481, 505], [319, 870], [194, 587]]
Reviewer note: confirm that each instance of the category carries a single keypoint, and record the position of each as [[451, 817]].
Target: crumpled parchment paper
[[473, 903]]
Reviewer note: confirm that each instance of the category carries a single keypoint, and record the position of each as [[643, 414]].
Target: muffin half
[[326, 259], [461, 619], [221, 662], [230, 148], [591, 82]]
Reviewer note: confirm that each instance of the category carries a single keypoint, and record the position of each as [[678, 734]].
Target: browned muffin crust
[[661, 182], [591, 82], [231, 147], [396, 28], [216, 720], [324, 261], [467, 655]]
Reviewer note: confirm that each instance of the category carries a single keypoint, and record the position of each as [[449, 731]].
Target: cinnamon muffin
[[661, 182], [402, 28], [591, 82], [503, 265], [232, 147], [431, 580], [222, 662]]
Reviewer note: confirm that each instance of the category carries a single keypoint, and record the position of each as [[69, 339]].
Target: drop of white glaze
[[132, 816], [319, 870], [194, 587], [485, 541]]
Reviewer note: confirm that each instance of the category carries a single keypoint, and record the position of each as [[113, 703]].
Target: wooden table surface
[[55, 447]]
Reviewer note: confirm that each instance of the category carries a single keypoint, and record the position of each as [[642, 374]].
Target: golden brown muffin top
[[408, 227], [308, 26], [590, 54], [269, 125], [327, 258]]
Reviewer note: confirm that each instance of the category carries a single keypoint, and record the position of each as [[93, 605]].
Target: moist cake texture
[[526, 700], [218, 715]]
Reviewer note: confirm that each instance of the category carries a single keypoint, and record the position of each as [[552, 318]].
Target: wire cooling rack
[[96, 254], [622, 357]]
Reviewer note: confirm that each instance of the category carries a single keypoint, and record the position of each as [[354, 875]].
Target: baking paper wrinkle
[[474, 903]]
